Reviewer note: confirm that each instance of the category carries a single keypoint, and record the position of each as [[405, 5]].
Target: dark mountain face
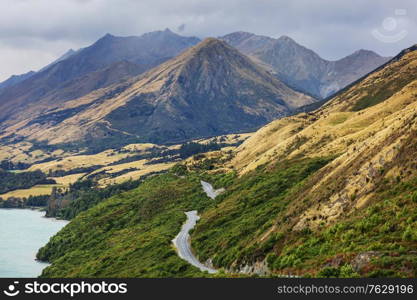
[[302, 68], [211, 89], [66, 55], [208, 90]]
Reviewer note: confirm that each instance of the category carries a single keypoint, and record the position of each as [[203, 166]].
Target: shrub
[[409, 234], [414, 197], [347, 271], [328, 272]]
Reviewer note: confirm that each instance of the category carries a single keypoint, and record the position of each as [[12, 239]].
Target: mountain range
[[68, 101], [303, 69], [65, 78], [210, 89]]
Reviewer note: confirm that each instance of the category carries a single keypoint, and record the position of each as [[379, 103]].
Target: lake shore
[[24, 231]]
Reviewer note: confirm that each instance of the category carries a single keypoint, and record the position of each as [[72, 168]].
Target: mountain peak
[[286, 38], [212, 49], [238, 35], [67, 54], [105, 39], [160, 33], [286, 41], [208, 90], [108, 36], [364, 52], [210, 41]]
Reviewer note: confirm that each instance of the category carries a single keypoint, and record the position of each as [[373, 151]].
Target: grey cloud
[[40, 30]]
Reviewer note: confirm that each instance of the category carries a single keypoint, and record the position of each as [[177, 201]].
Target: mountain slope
[[353, 211], [134, 241], [302, 68], [64, 56], [14, 79], [208, 90], [351, 114], [145, 52]]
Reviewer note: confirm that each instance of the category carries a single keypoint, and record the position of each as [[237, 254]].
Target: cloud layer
[[34, 32]]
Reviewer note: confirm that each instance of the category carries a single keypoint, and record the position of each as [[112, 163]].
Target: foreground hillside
[[330, 193], [144, 221], [129, 235]]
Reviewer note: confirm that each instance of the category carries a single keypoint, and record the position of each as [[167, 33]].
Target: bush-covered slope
[[128, 235], [356, 215], [228, 232], [81, 196], [378, 241], [253, 224]]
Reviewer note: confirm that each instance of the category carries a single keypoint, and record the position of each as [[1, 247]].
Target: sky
[[35, 32]]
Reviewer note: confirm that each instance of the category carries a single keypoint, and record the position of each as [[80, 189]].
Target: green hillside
[[128, 235]]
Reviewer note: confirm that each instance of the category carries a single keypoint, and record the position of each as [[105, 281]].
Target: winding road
[[182, 240], [210, 191]]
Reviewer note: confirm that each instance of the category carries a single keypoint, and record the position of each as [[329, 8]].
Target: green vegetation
[[191, 148], [82, 195], [13, 181], [37, 200], [227, 233], [128, 235], [62, 173], [386, 232], [8, 165]]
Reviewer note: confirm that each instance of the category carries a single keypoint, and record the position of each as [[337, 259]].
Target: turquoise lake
[[22, 233]]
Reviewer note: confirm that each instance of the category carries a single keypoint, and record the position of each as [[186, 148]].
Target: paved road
[[210, 191], [182, 242]]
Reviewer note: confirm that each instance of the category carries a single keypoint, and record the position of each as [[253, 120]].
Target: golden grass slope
[[37, 190], [64, 161]]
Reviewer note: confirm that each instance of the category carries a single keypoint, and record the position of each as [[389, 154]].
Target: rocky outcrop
[[259, 268]]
